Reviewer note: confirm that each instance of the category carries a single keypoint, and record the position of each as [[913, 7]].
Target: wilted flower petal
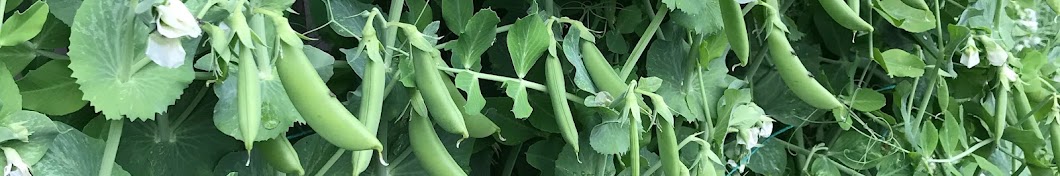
[[1009, 74], [174, 20], [970, 58], [164, 51]]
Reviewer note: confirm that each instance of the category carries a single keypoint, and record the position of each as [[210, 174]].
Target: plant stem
[[204, 76], [139, 65], [391, 31], [501, 29], [111, 150], [638, 50], [331, 161], [801, 150], [52, 55], [957, 157], [497, 78]]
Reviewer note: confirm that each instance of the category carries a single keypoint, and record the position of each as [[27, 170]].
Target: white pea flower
[[738, 166], [15, 165], [164, 51], [996, 55], [1009, 74], [174, 20], [970, 58]]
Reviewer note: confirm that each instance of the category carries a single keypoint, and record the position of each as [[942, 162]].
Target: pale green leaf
[[702, 20], [64, 10], [345, 17], [321, 61], [649, 84], [16, 58], [476, 38], [584, 162], [856, 151], [105, 44], [611, 137], [41, 129], [469, 83], [689, 6], [456, 14], [521, 106], [902, 64], [987, 165], [277, 112], [74, 153], [929, 138], [867, 100], [906, 17], [10, 99], [527, 40], [572, 51], [50, 90], [822, 167], [22, 26]]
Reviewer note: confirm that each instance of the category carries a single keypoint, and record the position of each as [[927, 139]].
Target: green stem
[[52, 55], [111, 150], [800, 150], [331, 161], [391, 31], [998, 6], [958, 157], [497, 78], [194, 103], [638, 50], [204, 76], [139, 65]]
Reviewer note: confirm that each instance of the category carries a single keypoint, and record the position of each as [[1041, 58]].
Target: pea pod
[[735, 29], [372, 91], [603, 76], [1053, 4], [478, 125], [842, 14], [1055, 130], [794, 74], [668, 150], [280, 154], [1001, 105], [317, 105], [855, 5], [557, 92], [249, 98], [427, 146], [439, 103]]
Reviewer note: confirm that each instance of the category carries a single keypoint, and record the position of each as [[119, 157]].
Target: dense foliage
[[530, 87]]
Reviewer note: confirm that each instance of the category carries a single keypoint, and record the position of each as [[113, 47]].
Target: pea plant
[[450, 87]]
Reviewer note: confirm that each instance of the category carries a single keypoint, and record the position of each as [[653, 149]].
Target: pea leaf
[[572, 51], [456, 14], [64, 10], [527, 40], [987, 165], [16, 58], [469, 83], [476, 38], [21, 27], [771, 159], [904, 16], [517, 92], [10, 100], [50, 90], [701, 20], [929, 138], [73, 153], [584, 162], [345, 18], [900, 63], [543, 154], [105, 44], [610, 138], [867, 100], [41, 130], [857, 151], [689, 6], [277, 112], [822, 167]]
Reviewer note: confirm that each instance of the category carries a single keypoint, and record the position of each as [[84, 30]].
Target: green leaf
[[50, 90], [73, 153], [686, 93], [457, 13], [277, 112], [345, 18], [16, 58], [689, 6], [313, 152], [420, 13], [649, 84], [183, 134], [105, 44], [10, 100], [64, 10], [543, 154], [527, 40], [237, 162], [904, 16], [475, 39], [610, 138], [572, 51], [929, 138], [867, 100], [584, 162], [22, 26], [902, 64], [469, 83], [774, 97], [771, 159], [521, 106], [987, 165], [856, 151], [894, 165], [274, 5], [321, 61], [745, 116], [41, 129], [823, 168], [632, 19], [954, 132], [515, 130], [55, 34], [702, 20]]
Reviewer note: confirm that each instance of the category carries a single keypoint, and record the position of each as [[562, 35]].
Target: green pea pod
[[668, 150], [795, 75], [280, 154], [249, 98], [373, 86], [557, 91], [918, 4], [478, 125], [600, 71], [1055, 130], [439, 103], [427, 147], [318, 106], [855, 5], [736, 29], [1001, 105], [1053, 4], [842, 14]]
